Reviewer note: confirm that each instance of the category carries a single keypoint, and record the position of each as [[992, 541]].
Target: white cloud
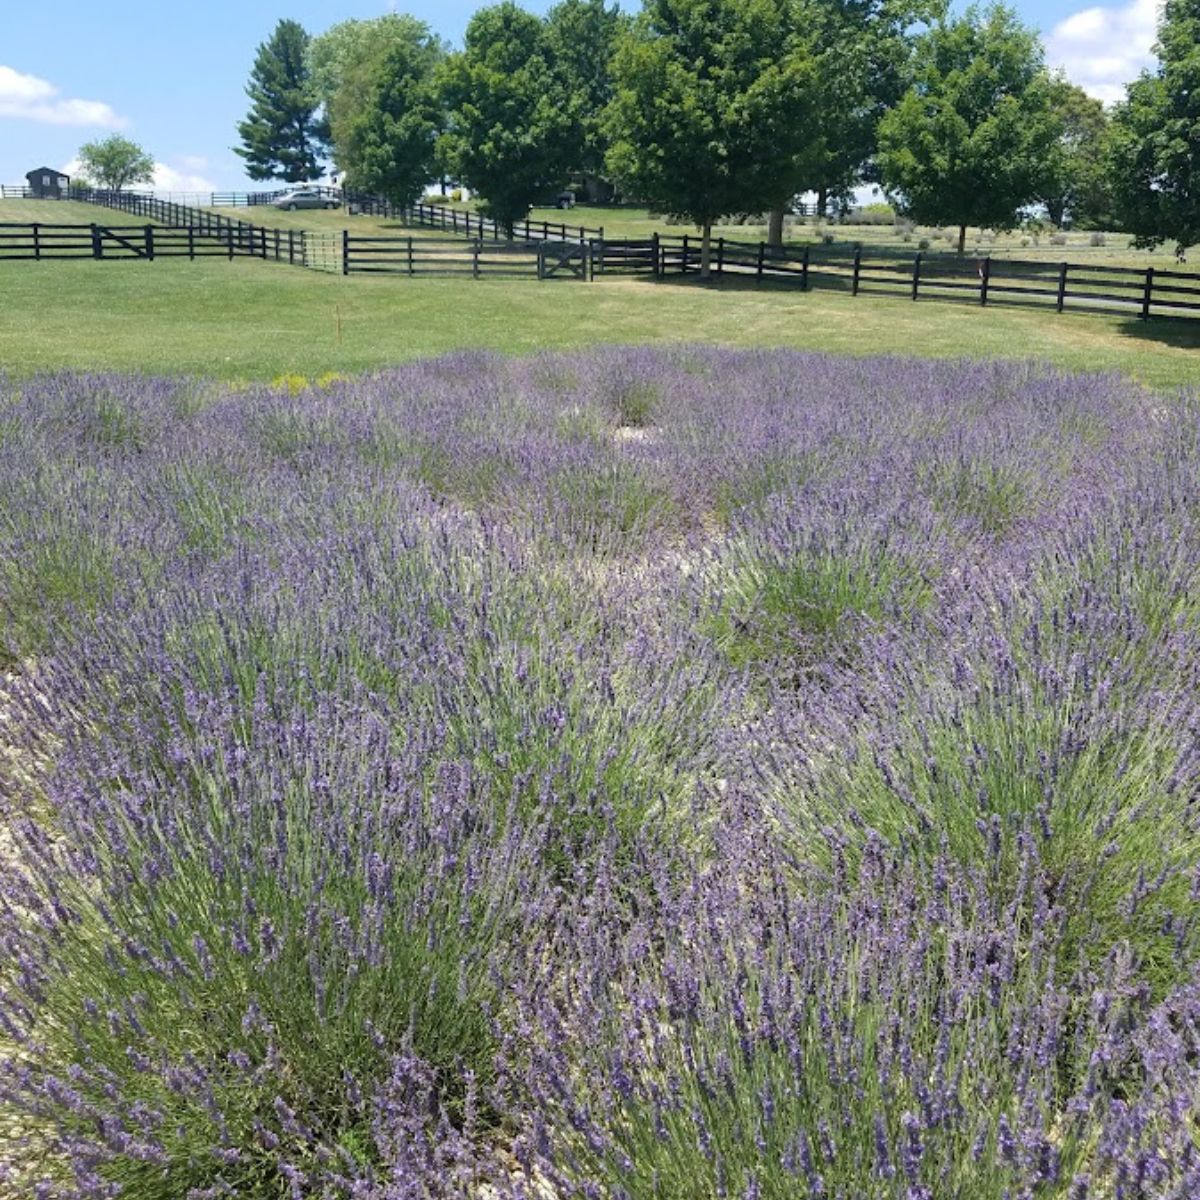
[[166, 178], [1104, 48], [28, 98]]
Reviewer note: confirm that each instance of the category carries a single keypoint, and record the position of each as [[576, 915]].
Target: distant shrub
[[871, 214], [1058, 239], [1097, 239], [923, 244], [456, 195]]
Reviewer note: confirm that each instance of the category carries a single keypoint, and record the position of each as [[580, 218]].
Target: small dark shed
[[48, 184]]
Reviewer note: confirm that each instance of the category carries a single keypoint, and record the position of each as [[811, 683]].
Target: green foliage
[[971, 142], [794, 610], [1077, 187], [864, 50], [582, 36], [712, 107], [114, 163], [282, 135], [370, 76], [508, 121], [395, 136], [1155, 158]]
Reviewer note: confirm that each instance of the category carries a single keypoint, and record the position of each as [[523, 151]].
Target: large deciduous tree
[[284, 134], [1156, 138], [971, 140], [712, 107], [509, 124], [1076, 188], [864, 48], [350, 64], [394, 136], [582, 37], [115, 162]]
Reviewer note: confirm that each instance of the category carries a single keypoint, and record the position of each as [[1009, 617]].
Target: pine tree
[[283, 135]]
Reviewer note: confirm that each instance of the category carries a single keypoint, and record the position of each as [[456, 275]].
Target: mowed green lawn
[[251, 320], [64, 212]]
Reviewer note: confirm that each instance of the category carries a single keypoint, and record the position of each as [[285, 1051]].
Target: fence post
[[276, 243], [97, 244], [916, 279], [229, 240], [541, 260], [262, 239], [191, 243], [804, 271], [654, 247], [477, 246], [37, 243], [1062, 286], [411, 269], [1147, 293], [150, 242], [720, 257], [857, 270], [762, 254], [345, 252], [985, 277], [685, 253]]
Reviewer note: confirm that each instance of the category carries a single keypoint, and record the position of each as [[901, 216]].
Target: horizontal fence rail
[[37, 241], [386, 255], [545, 250], [1062, 286], [245, 238]]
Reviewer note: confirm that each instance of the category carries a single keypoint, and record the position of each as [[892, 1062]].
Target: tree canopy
[[1156, 138], [971, 140], [350, 63], [115, 162], [283, 135], [394, 135], [582, 39], [1077, 186], [712, 106], [509, 124]]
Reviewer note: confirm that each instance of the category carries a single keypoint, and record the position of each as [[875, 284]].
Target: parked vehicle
[[305, 198]]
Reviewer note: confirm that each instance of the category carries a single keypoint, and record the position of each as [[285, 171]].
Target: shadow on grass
[[1183, 333]]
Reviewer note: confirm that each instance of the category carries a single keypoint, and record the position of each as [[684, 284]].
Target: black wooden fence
[[536, 259], [552, 250], [1143, 291], [38, 240]]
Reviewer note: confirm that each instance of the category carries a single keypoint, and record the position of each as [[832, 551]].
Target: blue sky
[[171, 76]]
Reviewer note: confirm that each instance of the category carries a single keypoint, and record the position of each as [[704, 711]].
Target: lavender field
[[633, 775]]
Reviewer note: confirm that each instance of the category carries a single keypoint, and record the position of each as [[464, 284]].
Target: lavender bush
[[636, 774]]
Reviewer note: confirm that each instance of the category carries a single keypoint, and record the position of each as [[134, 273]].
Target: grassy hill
[[64, 212]]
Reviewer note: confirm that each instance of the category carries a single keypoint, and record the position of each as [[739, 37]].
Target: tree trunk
[[706, 252], [822, 202], [775, 227], [962, 239]]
